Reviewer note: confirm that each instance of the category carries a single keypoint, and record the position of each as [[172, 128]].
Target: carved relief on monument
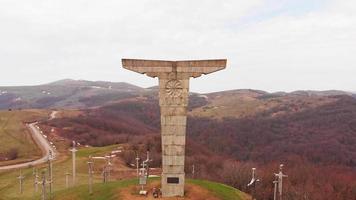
[[174, 88], [173, 93]]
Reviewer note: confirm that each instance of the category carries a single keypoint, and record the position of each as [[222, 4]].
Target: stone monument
[[173, 79]]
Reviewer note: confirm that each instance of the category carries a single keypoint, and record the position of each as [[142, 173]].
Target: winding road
[[41, 141]]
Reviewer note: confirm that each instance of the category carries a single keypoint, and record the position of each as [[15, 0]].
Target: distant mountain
[[321, 93], [66, 93], [69, 93]]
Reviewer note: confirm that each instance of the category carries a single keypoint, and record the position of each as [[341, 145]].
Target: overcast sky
[[272, 45]]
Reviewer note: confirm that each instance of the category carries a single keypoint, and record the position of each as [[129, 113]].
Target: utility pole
[[280, 177], [145, 164], [106, 169], [193, 171], [105, 174], [137, 161], [73, 150], [50, 170], [275, 190], [253, 182], [90, 165], [108, 166], [21, 177], [144, 173], [67, 179], [43, 184], [35, 174]]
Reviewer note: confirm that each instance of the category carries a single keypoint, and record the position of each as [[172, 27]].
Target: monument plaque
[[173, 79]]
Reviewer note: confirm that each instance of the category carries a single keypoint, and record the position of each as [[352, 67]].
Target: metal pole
[[147, 165], [108, 167], [43, 185], [193, 171], [67, 179], [104, 174], [254, 184], [280, 184], [73, 166], [137, 159], [50, 158], [36, 180], [21, 181], [73, 150], [280, 177], [275, 190], [90, 165]]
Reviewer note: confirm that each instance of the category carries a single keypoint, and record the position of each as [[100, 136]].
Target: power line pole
[[50, 170], [193, 171], [105, 174], [145, 164], [73, 150], [43, 184], [35, 174], [280, 177], [144, 174], [275, 190], [21, 177], [67, 179], [253, 182], [90, 165], [108, 166], [137, 163]]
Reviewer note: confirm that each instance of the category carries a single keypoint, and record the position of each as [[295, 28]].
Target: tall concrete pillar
[[173, 79]]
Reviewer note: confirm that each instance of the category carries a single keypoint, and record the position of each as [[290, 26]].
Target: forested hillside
[[312, 134]]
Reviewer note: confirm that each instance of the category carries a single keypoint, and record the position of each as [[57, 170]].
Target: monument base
[[172, 184]]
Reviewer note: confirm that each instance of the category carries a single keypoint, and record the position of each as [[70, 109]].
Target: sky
[[271, 45]]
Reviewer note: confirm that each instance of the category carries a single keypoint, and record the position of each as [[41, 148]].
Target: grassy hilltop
[[9, 185]]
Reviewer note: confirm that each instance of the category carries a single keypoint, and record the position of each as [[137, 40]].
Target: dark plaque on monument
[[174, 180]]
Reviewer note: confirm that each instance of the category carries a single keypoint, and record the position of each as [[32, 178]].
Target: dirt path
[[41, 141]]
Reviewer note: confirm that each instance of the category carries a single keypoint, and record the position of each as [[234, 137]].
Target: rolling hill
[[228, 132], [66, 94]]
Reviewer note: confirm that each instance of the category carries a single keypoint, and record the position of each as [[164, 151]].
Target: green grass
[[9, 184], [15, 135], [100, 191], [111, 190], [221, 191]]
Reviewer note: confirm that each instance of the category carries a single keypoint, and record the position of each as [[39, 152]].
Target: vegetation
[[112, 190], [9, 184], [219, 190], [16, 144], [65, 94], [316, 132], [229, 132]]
